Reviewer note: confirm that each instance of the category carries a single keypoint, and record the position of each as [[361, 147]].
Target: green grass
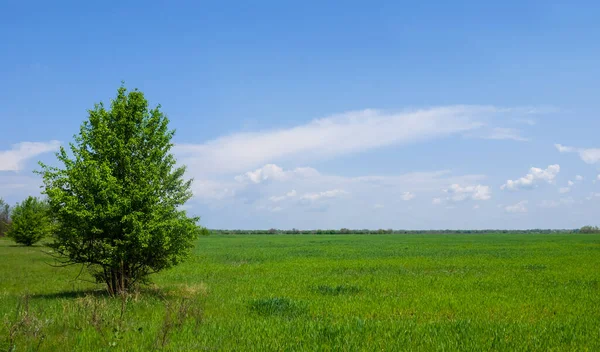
[[321, 292]]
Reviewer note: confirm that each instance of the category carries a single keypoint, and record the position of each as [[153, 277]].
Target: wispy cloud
[[346, 133], [15, 158], [588, 155], [334, 193], [502, 133], [288, 195]]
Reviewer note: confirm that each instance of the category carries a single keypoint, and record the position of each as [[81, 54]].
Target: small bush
[[30, 222]]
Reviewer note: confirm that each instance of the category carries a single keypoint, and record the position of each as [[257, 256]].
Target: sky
[[379, 114]]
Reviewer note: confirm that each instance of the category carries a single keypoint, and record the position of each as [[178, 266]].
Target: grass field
[[321, 292]]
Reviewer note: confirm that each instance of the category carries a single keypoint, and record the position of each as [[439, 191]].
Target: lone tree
[[117, 200], [30, 222], [4, 217]]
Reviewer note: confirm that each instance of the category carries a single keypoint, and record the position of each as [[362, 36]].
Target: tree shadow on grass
[[24, 246], [71, 294], [152, 292]]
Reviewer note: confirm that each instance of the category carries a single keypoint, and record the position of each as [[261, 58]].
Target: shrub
[[30, 222]]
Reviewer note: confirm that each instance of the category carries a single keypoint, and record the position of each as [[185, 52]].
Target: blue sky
[[391, 114]]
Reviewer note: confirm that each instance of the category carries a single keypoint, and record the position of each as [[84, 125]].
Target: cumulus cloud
[[457, 193], [579, 178], [520, 207], [14, 159], [533, 178], [407, 196], [331, 136], [588, 155], [334, 193], [276, 173], [564, 190]]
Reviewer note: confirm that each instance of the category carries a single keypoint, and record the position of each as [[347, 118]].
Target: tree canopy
[[117, 199]]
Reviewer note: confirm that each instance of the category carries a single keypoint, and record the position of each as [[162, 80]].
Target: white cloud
[[13, 159], [532, 179], [579, 178], [476, 206], [407, 196], [436, 201], [334, 193], [290, 194], [570, 183], [457, 193], [563, 190], [331, 136], [276, 173], [520, 207], [588, 155], [378, 206], [563, 149]]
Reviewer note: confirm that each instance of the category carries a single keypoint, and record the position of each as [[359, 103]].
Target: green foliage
[[4, 217], [30, 221], [117, 199], [589, 229]]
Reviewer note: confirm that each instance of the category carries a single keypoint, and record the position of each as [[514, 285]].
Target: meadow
[[483, 292]]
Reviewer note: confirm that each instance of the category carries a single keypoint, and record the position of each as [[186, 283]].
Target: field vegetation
[[536, 292]]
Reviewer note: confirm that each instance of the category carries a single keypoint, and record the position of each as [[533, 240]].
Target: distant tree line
[[392, 231], [590, 229]]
